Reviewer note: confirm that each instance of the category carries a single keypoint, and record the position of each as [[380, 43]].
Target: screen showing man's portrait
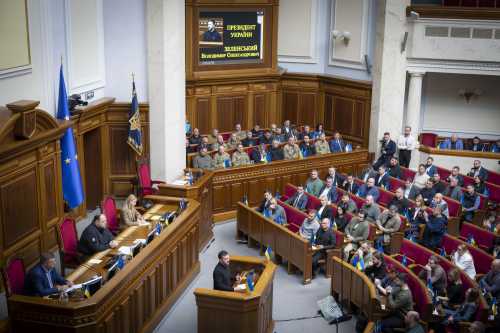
[[211, 32]]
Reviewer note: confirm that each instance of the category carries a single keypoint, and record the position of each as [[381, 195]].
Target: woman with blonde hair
[[129, 214]]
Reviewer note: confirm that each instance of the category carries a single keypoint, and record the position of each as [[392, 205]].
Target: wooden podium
[[201, 191], [244, 312]]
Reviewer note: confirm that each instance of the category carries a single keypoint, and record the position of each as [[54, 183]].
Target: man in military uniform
[[219, 142], [240, 157], [203, 160], [239, 133], [233, 141], [96, 237], [222, 159], [291, 150], [321, 145], [212, 138]]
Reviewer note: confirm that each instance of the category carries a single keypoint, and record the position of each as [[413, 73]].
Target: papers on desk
[[240, 287], [74, 287], [155, 218], [179, 182], [140, 240], [125, 250], [382, 306], [94, 261]]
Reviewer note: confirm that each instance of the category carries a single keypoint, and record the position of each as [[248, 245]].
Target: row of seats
[[455, 143]]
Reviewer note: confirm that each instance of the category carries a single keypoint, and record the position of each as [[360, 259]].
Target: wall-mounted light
[[414, 15], [342, 35], [470, 94]]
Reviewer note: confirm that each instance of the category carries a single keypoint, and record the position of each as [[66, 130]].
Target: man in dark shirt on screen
[[222, 273], [211, 35]]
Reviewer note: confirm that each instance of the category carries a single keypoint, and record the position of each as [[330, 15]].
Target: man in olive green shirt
[[291, 150], [314, 184], [321, 145], [203, 160], [212, 138], [239, 133], [220, 159], [219, 142], [240, 157], [399, 303], [356, 231]]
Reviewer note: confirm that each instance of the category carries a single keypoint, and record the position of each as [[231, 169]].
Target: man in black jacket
[[222, 274], [394, 169], [400, 201], [96, 237], [276, 152], [387, 150], [324, 240]]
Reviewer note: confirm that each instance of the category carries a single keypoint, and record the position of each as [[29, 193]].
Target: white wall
[[445, 112], [125, 48]]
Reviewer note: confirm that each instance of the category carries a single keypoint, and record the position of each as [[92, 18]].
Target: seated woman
[[129, 214], [465, 312], [480, 186], [454, 291], [340, 219]]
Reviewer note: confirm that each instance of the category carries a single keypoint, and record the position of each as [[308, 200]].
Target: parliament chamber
[[250, 166]]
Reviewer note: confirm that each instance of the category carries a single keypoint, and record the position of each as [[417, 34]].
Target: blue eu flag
[[71, 180], [134, 124]]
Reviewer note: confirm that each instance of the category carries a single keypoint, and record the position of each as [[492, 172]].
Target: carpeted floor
[[292, 300]]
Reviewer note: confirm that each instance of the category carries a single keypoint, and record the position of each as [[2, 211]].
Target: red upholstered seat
[[289, 190], [483, 237], [482, 260], [109, 209], [293, 216], [494, 192], [428, 139], [144, 177], [385, 197], [359, 201], [395, 183], [493, 177], [407, 173], [14, 274], [69, 242], [454, 207], [443, 173], [226, 135]]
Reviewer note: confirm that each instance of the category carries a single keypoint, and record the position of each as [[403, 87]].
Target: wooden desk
[[245, 312], [200, 191], [137, 297]]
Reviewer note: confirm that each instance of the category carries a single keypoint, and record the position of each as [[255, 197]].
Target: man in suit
[[96, 237], [478, 171], [277, 213], [276, 152], [314, 184], [249, 140], [349, 185], [455, 173], [259, 154], [337, 145], [430, 168], [222, 274], [394, 169], [453, 190], [287, 130], [257, 132], [476, 144], [387, 150], [382, 178], [306, 132], [329, 191], [325, 210], [453, 143], [267, 138], [204, 143], [299, 199], [495, 148], [369, 188], [307, 147], [279, 136], [43, 279], [266, 202], [337, 178]]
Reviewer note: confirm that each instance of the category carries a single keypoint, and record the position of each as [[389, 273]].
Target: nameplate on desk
[[179, 182], [125, 250], [94, 261]]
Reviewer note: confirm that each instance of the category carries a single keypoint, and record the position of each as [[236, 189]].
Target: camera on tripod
[[74, 101]]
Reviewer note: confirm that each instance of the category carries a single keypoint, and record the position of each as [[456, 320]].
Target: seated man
[[478, 171], [453, 190], [466, 311], [377, 270], [43, 279], [438, 186], [278, 135], [453, 143], [219, 142], [306, 131], [307, 147], [495, 148], [321, 145], [212, 138], [399, 200], [204, 143], [222, 274], [329, 191], [356, 231], [476, 144], [291, 151], [369, 188], [222, 159], [412, 321], [203, 160], [382, 178], [372, 211], [470, 203], [259, 154], [299, 199], [434, 273], [240, 157], [239, 133], [349, 185], [195, 138], [463, 260], [427, 192], [455, 173], [388, 223], [337, 145], [314, 184], [490, 283], [257, 132], [267, 138], [421, 177], [249, 140], [324, 240], [233, 141], [430, 168], [276, 152], [399, 303], [365, 252], [266, 202], [325, 210], [347, 204], [385, 285], [96, 237], [439, 201], [287, 130], [310, 226], [435, 228], [395, 169], [337, 178], [277, 213]]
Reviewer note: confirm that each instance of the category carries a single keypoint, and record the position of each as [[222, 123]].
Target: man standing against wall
[[406, 143]]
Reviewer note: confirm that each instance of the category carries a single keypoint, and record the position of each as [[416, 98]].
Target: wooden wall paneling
[[225, 113], [260, 102], [92, 145], [308, 107], [344, 115], [328, 114], [290, 106], [203, 115], [240, 111]]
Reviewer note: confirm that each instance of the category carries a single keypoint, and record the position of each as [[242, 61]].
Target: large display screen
[[234, 37]]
